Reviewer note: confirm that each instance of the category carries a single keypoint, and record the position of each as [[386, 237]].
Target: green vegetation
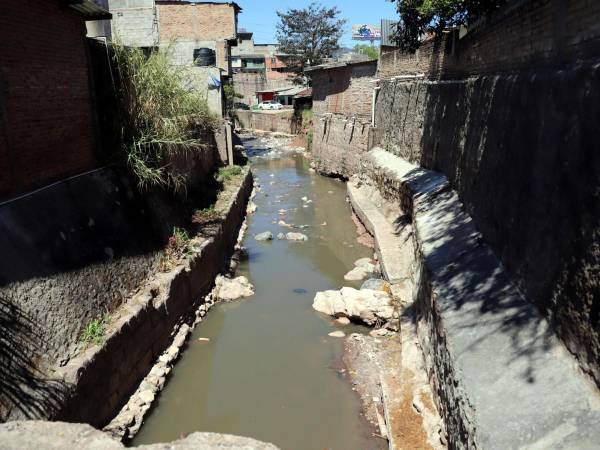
[[307, 117], [419, 17], [159, 116], [95, 330], [228, 172], [369, 50], [309, 35], [309, 140]]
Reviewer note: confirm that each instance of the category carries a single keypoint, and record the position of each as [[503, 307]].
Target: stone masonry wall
[[519, 150], [73, 252], [282, 122], [338, 144]]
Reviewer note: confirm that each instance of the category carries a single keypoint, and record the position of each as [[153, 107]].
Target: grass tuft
[[228, 172], [159, 115], [94, 332]]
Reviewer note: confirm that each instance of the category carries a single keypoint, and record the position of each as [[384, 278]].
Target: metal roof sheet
[[88, 9]]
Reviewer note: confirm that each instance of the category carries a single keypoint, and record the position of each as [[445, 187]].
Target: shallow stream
[[270, 371]]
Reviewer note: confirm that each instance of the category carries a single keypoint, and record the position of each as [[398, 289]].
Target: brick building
[[46, 120], [343, 88], [257, 67]]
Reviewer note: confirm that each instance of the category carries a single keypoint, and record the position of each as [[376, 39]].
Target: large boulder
[[369, 306], [265, 236], [230, 289]]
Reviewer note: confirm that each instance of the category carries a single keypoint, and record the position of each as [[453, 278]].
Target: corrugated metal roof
[[88, 9], [335, 65]]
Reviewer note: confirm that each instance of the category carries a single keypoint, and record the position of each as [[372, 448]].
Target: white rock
[[296, 237], [343, 321], [229, 289], [357, 274], [266, 236], [363, 262], [251, 209], [364, 305], [338, 334], [147, 397]]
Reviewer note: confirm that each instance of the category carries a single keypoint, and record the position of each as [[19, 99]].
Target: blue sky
[[259, 16]]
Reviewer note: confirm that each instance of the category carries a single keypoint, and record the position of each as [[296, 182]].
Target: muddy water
[[269, 370]]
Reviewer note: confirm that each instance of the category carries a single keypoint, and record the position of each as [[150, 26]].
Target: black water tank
[[204, 57]]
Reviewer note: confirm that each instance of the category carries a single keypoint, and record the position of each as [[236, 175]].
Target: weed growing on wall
[[94, 332], [228, 172], [157, 113], [178, 246]]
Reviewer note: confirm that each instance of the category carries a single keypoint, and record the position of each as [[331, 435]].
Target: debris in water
[[300, 291], [204, 339]]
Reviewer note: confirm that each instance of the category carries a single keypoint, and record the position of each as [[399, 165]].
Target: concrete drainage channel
[[491, 357], [152, 326]]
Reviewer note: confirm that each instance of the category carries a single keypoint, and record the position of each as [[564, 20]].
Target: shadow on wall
[[25, 391], [474, 293], [520, 149]]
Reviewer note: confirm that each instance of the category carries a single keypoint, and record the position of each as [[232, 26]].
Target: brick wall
[[197, 22], [344, 90], [45, 108], [522, 35]]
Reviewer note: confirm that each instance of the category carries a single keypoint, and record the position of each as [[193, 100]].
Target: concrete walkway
[[502, 378]]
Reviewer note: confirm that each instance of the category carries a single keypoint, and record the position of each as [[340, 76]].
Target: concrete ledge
[[103, 377], [33, 435], [502, 379], [387, 243]]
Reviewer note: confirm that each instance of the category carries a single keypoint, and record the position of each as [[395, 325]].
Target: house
[[46, 119], [198, 36], [343, 87], [257, 68]]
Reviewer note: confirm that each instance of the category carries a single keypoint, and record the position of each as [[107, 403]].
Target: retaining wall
[[338, 144], [520, 152], [101, 379], [491, 355], [280, 121]]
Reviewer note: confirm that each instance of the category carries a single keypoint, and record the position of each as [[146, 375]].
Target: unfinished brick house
[[343, 88], [46, 120]]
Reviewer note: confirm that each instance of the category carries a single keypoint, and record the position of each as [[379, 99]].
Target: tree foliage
[[418, 17], [369, 50], [309, 35]]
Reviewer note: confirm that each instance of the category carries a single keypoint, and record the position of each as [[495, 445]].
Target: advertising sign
[[366, 32]]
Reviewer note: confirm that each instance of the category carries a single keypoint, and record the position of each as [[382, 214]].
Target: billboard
[[366, 32]]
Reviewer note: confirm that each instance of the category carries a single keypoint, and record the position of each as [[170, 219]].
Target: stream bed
[[270, 371]]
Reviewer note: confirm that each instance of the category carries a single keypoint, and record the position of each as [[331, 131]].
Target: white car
[[270, 104]]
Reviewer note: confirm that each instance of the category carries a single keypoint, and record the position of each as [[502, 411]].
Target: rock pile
[[368, 306]]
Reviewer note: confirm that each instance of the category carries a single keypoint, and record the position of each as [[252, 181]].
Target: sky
[[259, 16]]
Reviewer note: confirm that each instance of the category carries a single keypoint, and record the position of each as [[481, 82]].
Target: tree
[[418, 17], [309, 35], [369, 50]]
